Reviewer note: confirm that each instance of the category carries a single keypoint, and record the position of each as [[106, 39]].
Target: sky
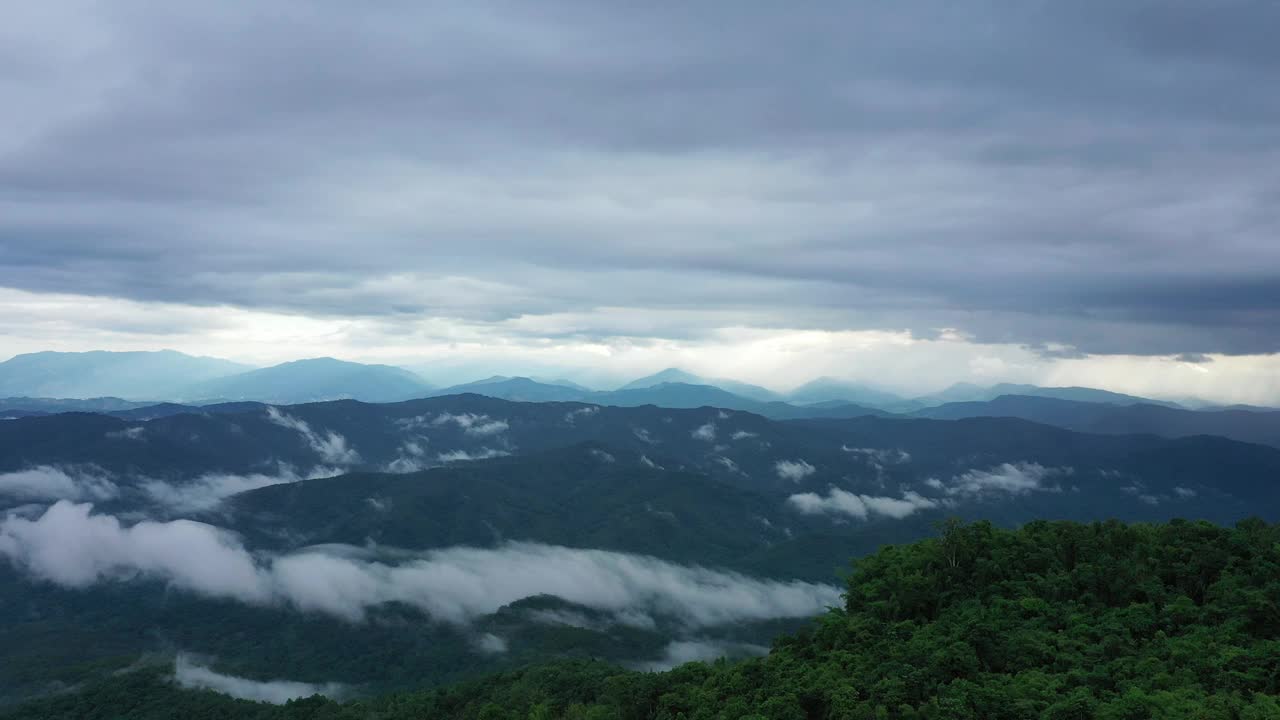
[[910, 193]]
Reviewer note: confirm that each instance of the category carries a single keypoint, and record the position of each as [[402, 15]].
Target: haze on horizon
[[1063, 194]]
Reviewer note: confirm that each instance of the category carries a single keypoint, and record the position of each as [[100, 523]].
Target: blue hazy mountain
[[664, 394], [827, 390], [38, 405], [685, 395], [1251, 425], [678, 376], [158, 375], [312, 380], [561, 381], [521, 389], [969, 392]]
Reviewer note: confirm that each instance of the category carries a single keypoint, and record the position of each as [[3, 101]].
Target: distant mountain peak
[[826, 389], [969, 392], [676, 375], [314, 379], [668, 375], [139, 374], [517, 388]]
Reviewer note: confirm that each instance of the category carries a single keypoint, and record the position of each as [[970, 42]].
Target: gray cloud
[[133, 433], [1108, 170], [490, 644], [705, 432], [1139, 491], [51, 483], [72, 547], [726, 463], [880, 456], [679, 652], [472, 423], [411, 457], [92, 484], [458, 584], [841, 502], [331, 446], [207, 492], [468, 455], [1018, 478], [572, 416], [793, 470], [189, 673]]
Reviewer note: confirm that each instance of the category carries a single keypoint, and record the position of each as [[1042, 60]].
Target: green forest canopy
[[1055, 620]]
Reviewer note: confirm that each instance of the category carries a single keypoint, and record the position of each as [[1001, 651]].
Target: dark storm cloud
[[1101, 175]]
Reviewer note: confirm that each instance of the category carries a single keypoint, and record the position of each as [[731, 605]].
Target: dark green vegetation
[[1110, 472], [1053, 621]]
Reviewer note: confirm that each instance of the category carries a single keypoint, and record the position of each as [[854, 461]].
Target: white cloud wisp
[[72, 547], [189, 673], [841, 502], [45, 482]]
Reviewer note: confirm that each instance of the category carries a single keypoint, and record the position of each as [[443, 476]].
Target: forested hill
[[1056, 620]]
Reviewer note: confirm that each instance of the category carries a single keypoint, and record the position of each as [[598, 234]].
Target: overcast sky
[[911, 192]]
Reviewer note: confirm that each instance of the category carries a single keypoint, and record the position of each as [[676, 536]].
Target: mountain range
[[874, 456], [680, 377], [312, 380], [321, 379], [391, 545], [138, 377], [160, 375], [968, 392], [1255, 425]]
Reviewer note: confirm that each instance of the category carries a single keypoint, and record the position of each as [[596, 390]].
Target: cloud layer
[[207, 492], [51, 483], [820, 167], [679, 652], [72, 547], [841, 502], [472, 423], [331, 446], [1018, 478], [793, 470], [189, 673], [84, 483]]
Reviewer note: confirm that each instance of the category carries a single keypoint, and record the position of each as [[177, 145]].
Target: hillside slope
[[1056, 620]]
